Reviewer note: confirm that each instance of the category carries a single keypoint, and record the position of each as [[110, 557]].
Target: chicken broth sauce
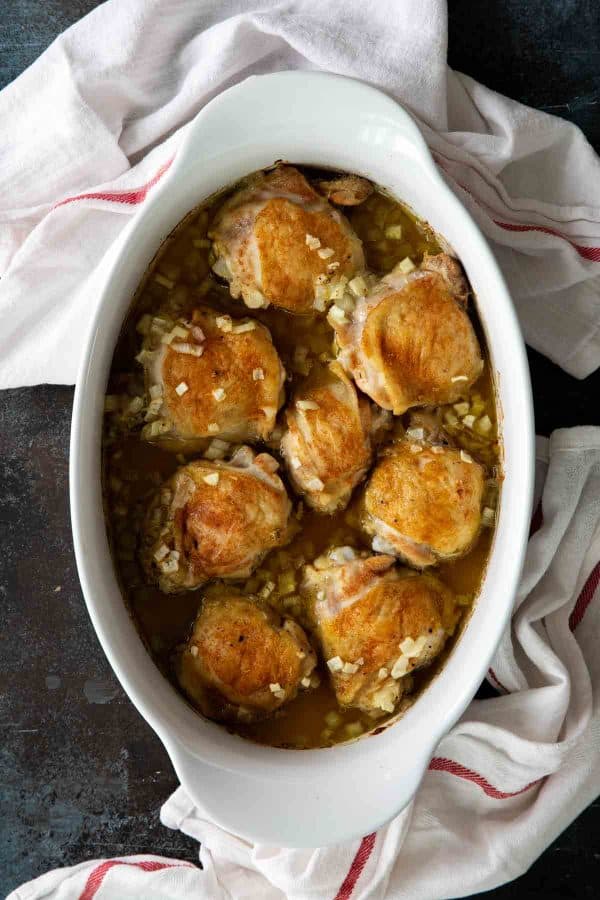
[[177, 280]]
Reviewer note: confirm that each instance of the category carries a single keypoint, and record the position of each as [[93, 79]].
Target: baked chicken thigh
[[409, 341], [215, 519], [375, 624], [213, 376], [242, 660], [433, 511], [276, 240], [327, 443]]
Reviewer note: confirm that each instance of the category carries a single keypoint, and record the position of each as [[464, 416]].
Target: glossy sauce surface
[[134, 468]]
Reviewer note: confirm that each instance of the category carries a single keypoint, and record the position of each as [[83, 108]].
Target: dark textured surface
[[82, 778]]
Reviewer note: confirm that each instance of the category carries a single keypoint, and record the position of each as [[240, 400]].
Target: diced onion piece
[[258, 375], [267, 590], [488, 516], [295, 462], [415, 448], [400, 667], [212, 479], [459, 378], [224, 323], [221, 268], [280, 695], [416, 433], [245, 326], [353, 729], [337, 315], [394, 232], [451, 419], [135, 405], [212, 427], [465, 457], [312, 242], [163, 281], [275, 687], [332, 266], [307, 404], [189, 349], [484, 424], [333, 719], [286, 582], [383, 673], [346, 302], [181, 389], [218, 394], [315, 484], [162, 551], [349, 668], [437, 449], [410, 648], [305, 682], [462, 408], [469, 421], [194, 650], [325, 252], [155, 391], [335, 664], [407, 265], [337, 290]]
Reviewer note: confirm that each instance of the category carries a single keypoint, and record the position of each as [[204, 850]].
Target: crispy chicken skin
[[243, 661], [261, 240], [327, 443], [217, 377], [376, 624], [215, 519], [423, 502], [410, 342]]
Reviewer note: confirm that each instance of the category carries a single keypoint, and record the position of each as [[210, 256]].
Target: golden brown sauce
[[133, 468]]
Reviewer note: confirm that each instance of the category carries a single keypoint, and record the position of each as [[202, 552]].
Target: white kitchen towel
[[90, 126], [510, 776]]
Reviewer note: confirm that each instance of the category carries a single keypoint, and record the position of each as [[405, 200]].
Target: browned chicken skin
[[376, 624], [423, 502], [327, 444], [242, 660], [409, 341], [216, 377], [276, 236], [214, 519]]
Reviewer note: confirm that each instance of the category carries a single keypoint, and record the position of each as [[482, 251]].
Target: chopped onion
[[189, 349], [469, 421], [383, 673], [155, 391], [459, 378], [349, 668], [162, 551], [484, 424], [312, 242], [212, 479], [295, 462], [337, 315], [224, 323], [305, 682], [465, 457], [407, 265], [307, 404], [163, 281], [275, 687], [416, 433], [315, 484], [488, 516], [462, 408], [400, 667], [325, 252], [258, 375], [218, 394], [212, 427], [334, 664], [245, 326], [181, 389], [394, 232]]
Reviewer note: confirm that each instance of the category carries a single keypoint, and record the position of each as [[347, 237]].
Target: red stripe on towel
[[585, 598], [358, 863], [441, 764], [97, 875], [591, 253], [132, 197]]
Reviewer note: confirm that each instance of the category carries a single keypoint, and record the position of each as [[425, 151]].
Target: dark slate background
[[81, 775]]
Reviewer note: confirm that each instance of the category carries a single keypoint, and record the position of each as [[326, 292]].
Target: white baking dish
[[309, 797]]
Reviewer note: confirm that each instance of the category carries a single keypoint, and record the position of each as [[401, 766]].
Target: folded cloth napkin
[[501, 786], [91, 125]]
